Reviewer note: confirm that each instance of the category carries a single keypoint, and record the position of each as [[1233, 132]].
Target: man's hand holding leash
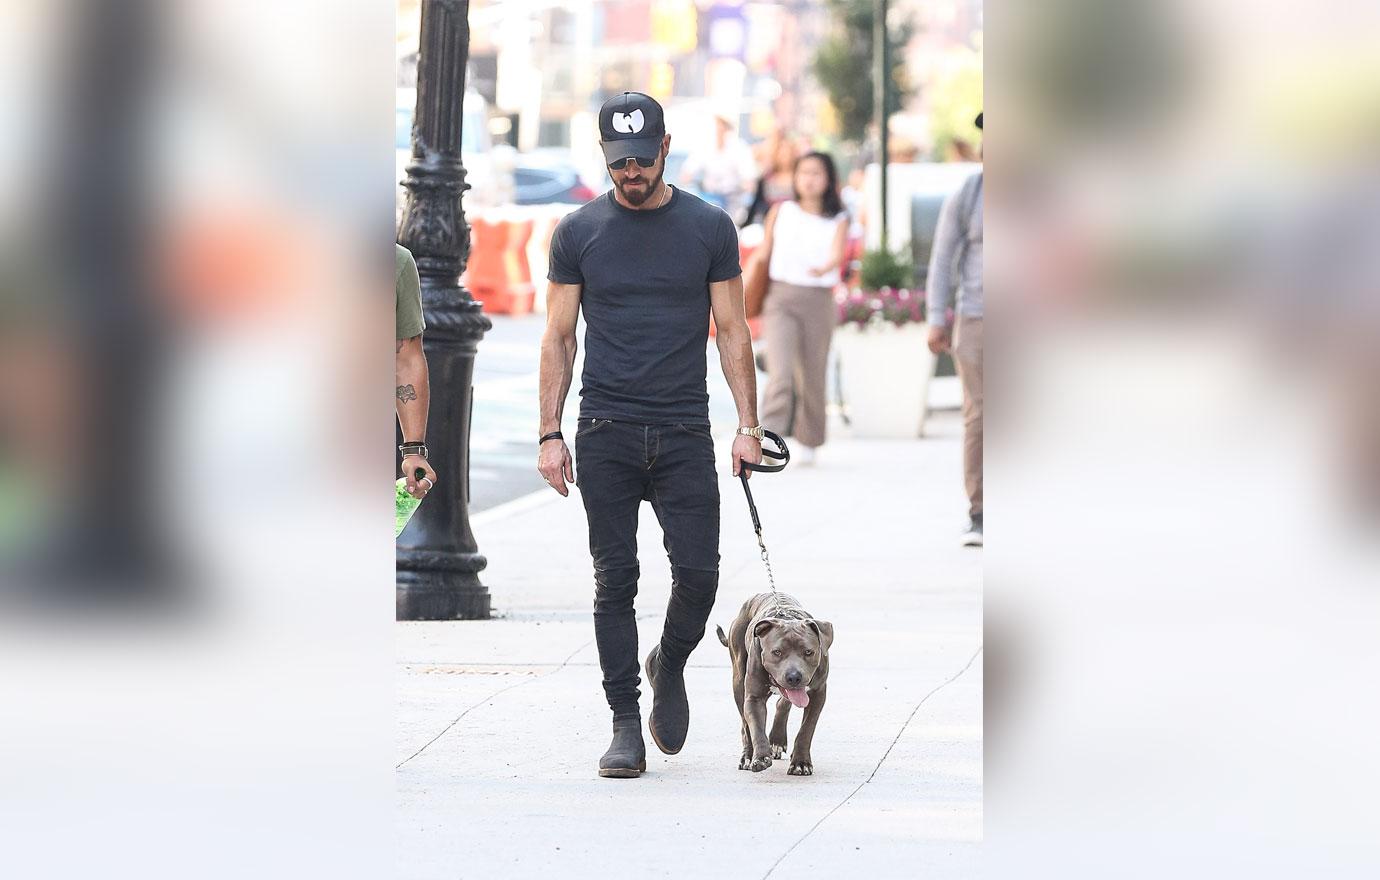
[[746, 448]]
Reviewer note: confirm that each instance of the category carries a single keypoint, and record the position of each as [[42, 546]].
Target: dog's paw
[[745, 761], [760, 764], [801, 768], [778, 752]]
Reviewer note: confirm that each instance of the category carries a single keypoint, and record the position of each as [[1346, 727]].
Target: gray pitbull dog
[[776, 644]]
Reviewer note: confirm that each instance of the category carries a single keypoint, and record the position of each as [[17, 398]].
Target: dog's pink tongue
[[799, 698]]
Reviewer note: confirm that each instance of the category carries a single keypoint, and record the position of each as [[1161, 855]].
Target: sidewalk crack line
[[489, 699], [885, 754]]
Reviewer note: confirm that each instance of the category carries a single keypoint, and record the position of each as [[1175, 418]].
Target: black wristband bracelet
[[418, 448], [554, 435]]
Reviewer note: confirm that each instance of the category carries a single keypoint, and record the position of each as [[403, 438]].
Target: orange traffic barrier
[[519, 234], [498, 274]]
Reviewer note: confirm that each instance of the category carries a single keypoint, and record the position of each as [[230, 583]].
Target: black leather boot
[[670, 719], [627, 754]]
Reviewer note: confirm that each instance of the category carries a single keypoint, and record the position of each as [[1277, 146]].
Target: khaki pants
[[968, 359], [798, 325]]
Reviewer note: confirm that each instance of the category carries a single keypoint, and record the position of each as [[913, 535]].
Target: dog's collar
[[784, 607]]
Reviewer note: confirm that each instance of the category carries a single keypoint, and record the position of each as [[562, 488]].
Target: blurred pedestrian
[[806, 240], [725, 172], [956, 261], [647, 264], [777, 183], [410, 370], [855, 202]]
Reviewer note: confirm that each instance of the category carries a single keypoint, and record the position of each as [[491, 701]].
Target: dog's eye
[[776, 653], [809, 653]]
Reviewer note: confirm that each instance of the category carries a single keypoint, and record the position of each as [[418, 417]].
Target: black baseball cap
[[631, 125]]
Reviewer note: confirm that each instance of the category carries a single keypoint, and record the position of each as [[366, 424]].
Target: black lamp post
[[438, 561], [881, 42]]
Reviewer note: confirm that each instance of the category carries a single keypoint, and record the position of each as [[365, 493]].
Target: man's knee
[[615, 588], [697, 585], [691, 522]]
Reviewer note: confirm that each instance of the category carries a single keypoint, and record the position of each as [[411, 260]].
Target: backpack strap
[[972, 191]]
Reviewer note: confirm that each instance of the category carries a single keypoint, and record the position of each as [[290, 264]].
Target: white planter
[[885, 379]]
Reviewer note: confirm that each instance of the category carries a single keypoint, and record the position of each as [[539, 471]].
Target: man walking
[[958, 246], [647, 264]]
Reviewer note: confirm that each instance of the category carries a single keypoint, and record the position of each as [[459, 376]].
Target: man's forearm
[[556, 371], [413, 397], [939, 300], [735, 356]]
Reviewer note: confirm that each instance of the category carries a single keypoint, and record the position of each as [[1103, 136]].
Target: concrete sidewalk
[[501, 723]]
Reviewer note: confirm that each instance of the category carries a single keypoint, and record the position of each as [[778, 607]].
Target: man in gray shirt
[[956, 261]]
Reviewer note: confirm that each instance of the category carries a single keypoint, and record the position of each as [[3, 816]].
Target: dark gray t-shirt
[[646, 277]]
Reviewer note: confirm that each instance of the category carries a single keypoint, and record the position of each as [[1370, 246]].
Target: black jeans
[[619, 465]]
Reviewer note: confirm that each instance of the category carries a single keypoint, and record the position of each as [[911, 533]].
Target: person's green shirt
[[408, 285]]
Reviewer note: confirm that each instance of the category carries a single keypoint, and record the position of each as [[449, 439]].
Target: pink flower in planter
[[897, 306]]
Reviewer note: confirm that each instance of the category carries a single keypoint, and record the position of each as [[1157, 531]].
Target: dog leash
[[784, 457]]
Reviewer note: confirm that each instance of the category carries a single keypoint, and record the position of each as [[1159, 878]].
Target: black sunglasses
[[620, 165]]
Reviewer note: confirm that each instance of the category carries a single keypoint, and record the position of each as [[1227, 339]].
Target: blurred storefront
[[539, 69], [544, 67]]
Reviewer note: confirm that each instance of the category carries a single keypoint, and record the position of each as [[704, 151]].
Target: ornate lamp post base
[[436, 592]]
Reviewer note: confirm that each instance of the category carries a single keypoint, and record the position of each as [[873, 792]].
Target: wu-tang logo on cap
[[628, 123]]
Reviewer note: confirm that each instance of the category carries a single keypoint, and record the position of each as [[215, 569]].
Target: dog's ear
[[761, 628], [825, 630]]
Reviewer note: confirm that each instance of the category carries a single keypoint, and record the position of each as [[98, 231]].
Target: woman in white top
[[805, 238]]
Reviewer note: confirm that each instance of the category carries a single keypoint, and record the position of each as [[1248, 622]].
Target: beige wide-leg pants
[[798, 325]]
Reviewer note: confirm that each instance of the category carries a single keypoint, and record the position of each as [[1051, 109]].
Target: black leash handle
[[784, 457]]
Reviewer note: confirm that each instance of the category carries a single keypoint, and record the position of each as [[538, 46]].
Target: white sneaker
[[805, 456], [973, 536]]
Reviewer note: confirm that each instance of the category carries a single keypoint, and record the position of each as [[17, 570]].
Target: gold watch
[[755, 432]]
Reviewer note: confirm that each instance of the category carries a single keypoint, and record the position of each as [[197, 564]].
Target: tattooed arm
[[413, 400]]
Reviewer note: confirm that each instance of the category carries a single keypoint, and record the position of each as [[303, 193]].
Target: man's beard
[[636, 199]]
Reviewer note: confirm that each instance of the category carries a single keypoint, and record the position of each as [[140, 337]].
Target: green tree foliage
[[955, 101], [845, 62], [882, 268]]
